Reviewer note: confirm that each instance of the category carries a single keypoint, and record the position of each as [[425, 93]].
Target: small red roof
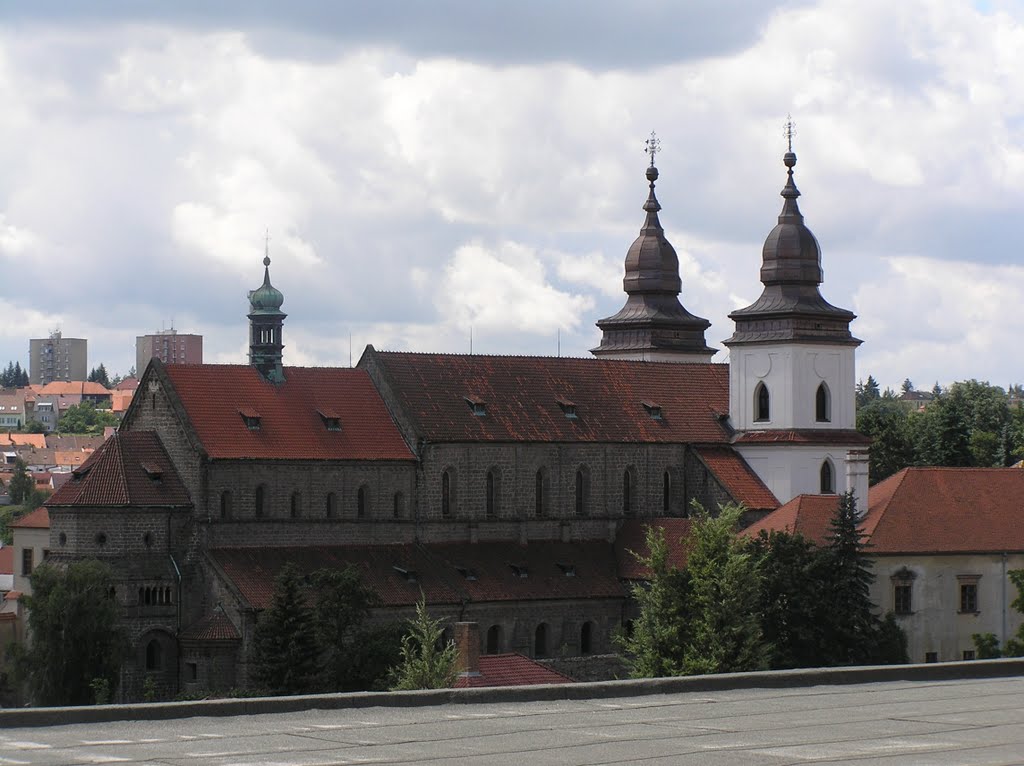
[[74, 388], [632, 539], [458, 398], [25, 440], [738, 478], [288, 424], [127, 384], [806, 515], [37, 519], [947, 510], [510, 670], [7, 560], [129, 468], [214, 627]]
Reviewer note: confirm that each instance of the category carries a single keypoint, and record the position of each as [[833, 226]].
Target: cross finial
[[789, 130], [266, 248], [652, 146]]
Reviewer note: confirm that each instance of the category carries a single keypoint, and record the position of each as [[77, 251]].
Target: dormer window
[[568, 408], [467, 573], [154, 473], [409, 575], [569, 570], [653, 410], [331, 420], [519, 570], [251, 418], [477, 406]]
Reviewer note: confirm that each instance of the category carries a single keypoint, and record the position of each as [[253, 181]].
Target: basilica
[[508, 490]]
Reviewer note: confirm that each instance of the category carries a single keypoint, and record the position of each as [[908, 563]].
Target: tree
[[427, 662], [887, 422], [20, 487], [655, 645], [84, 418], [867, 392], [76, 639], [285, 648], [907, 386], [725, 630], [33, 427], [342, 605], [99, 375]]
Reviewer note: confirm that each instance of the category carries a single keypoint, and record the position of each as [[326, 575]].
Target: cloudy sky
[[428, 168]]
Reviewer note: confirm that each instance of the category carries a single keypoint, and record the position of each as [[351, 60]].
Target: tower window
[[398, 503], [828, 482], [587, 638], [823, 405], [260, 500], [296, 506], [762, 403], [330, 505], [629, 491], [666, 492], [539, 495], [491, 492], [225, 504], [362, 503], [446, 494], [540, 641], [581, 493]]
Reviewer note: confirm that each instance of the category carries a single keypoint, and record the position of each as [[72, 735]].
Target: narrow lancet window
[[762, 403]]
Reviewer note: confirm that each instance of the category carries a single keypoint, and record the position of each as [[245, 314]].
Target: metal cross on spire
[[652, 146], [789, 130], [266, 248]]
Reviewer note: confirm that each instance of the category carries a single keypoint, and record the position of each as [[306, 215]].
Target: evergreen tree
[[655, 646], [888, 424], [20, 376], [99, 375], [725, 631], [907, 386], [285, 649], [7, 379], [76, 638], [867, 392], [427, 662], [21, 485], [342, 605]]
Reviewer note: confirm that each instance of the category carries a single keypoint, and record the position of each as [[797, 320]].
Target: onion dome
[[790, 307], [266, 299], [653, 325]]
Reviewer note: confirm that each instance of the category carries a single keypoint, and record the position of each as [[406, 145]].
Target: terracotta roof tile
[[214, 627], [447, 574], [738, 478], [510, 670], [25, 440], [947, 510], [37, 519], [289, 424], [116, 475], [632, 538], [803, 436], [522, 395], [74, 388], [7, 560], [807, 515]]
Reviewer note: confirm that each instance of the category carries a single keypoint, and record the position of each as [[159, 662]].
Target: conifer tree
[[427, 662], [285, 648], [20, 487]]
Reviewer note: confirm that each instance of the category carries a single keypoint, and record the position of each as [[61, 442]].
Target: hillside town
[[533, 505]]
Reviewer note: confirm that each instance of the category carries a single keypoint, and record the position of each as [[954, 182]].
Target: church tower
[[792, 398], [653, 326], [266, 321]]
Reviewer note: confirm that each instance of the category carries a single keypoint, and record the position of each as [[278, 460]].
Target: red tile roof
[[130, 468], [213, 627], [447, 574], [521, 396], [947, 510], [37, 519], [26, 440], [632, 538], [803, 436], [74, 388], [738, 478], [127, 384], [7, 560], [290, 426], [510, 670], [807, 515]]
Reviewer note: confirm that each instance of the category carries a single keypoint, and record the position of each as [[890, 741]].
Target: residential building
[[170, 347], [57, 358]]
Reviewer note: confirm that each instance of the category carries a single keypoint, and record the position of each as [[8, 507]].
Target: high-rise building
[[57, 358], [170, 347]]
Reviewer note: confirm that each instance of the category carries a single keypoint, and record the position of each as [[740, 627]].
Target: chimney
[[857, 478], [467, 642]]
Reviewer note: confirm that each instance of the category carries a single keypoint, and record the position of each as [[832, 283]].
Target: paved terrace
[[922, 715]]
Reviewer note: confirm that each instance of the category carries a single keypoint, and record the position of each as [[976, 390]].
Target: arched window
[[446, 494], [154, 655], [492, 493], [296, 507], [828, 482], [540, 641], [580, 506], [398, 505], [539, 495], [629, 491], [762, 403], [362, 501], [666, 492], [330, 505], [823, 404], [586, 638], [493, 639], [225, 504], [261, 492]]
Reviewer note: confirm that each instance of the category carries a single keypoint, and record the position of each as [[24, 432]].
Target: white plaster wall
[[36, 539], [792, 373], [935, 623], [789, 470]]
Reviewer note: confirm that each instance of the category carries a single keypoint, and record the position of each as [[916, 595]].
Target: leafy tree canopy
[[84, 418]]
